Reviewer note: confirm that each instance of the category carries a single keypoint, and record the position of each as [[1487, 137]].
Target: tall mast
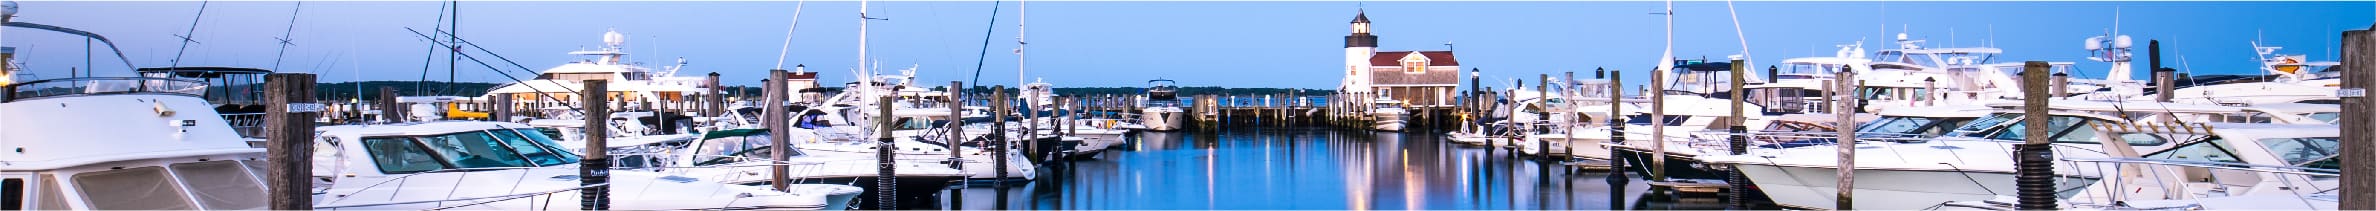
[[284, 38], [1666, 61], [185, 36], [1020, 17], [787, 49]]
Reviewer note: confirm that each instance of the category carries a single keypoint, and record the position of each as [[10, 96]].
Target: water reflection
[[1312, 168]]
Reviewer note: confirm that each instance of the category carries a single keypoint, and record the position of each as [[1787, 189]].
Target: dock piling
[[2034, 176], [289, 129], [2359, 65], [595, 168]]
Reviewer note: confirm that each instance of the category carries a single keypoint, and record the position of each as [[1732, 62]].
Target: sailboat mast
[[284, 38], [192, 32], [787, 49], [1020, 17]]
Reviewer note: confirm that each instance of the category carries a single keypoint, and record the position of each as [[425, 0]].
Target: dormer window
[[1414, 63]]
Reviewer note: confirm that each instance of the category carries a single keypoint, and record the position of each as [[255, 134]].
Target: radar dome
[[1901, 36], [613, 38], [2095, 43], [2121, 41]]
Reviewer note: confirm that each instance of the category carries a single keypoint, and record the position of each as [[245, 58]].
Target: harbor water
[[1317, 168]]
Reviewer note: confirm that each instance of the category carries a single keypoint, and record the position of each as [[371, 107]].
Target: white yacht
[[1387, 115], [509, 166], [742, 156], [124, 144], [1161, 109], [1907, 174], [2291, 79], [2218, 166], [633, 83]]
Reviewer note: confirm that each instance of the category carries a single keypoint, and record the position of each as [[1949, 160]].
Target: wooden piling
[[594, 169], [1657, 126], [1845, 110], [2359, 74], [885, 149], [502, 111], [289, 128], [1543, 96], [713, 104], [775, 117], [2033, 180], [1739, 143], [999, 108], [390, 111], [1616, 126]]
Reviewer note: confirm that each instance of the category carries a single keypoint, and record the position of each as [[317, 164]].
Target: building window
[[1414, 66]]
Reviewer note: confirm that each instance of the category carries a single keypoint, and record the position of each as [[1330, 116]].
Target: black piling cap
[[1773, 71], [1598, 73], [713, 74]]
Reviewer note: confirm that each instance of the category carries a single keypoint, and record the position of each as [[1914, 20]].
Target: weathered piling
[[1616, 125], [595, 168], [999, 109], [388, 108], [503, 109], [2033, 180], [956, 140], [2359, 65], [885, 169], [775, 119], [713, 104], [1739, 143], [1844, 109], [1657, 126], [289, 128], [1567, 129], [1543, 95]]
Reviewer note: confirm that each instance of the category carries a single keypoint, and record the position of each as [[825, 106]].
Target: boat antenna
[[985, 52], [185, 36], [1020, 18], [453, 35], [787, 49], [286, 33]]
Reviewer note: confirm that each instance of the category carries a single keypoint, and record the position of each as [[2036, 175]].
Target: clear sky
[[1232, 44]]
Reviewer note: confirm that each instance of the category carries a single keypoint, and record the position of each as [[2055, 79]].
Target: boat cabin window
[[2302, 151], [2212, 149], [49, 197], [574, 76], [12, 194], [221, 185], [1389, 105], [137, 188], [1644, 119], [2143, 139]]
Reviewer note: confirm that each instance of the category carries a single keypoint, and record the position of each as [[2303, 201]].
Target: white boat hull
[[1160, 119], [1882, 189]]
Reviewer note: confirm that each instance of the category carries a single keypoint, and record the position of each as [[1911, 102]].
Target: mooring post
[[2359, 65], [999, 109], [1616, 125], [1570, 90], [2034, 177], [1930, 91], [714, 104], [1740, 138], [1845, 110], [595, 168], [2060, 82], [502, 111], [289, 127], [1657, 125], [390, 111], [777, 120], [885, 171], [956, 140], [1543, 97]]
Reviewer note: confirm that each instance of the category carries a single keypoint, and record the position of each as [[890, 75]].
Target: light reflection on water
[[1313, 168]]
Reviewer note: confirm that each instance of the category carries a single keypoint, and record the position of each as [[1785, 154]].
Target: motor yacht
[[1161, 109], [510, 166]]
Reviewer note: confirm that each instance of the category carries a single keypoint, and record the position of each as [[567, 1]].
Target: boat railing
[[249, 125], [2129, 182], [473, 201], [738, 163], [1782, 139], [99, 86]]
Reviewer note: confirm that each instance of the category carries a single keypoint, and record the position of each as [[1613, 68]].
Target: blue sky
[[1232, 44]]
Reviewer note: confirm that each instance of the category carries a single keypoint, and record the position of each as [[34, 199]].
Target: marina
[[1902, 122]]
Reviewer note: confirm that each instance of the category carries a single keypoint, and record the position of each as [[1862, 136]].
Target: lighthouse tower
[[1358, 48]]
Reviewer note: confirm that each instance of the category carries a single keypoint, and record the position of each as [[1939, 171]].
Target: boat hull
[[1163, 120], [1885, 189]]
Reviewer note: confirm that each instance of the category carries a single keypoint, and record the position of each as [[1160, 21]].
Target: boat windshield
[[1389, 105], [2305, 151], [1644, 119], [1902, 125], [475, 149], [1984, 124], [2211, 149], [731, 149]]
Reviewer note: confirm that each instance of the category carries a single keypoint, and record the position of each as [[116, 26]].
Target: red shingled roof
[[1394, 58]]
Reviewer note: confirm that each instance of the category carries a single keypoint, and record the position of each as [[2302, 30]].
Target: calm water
[[1310, 168]]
